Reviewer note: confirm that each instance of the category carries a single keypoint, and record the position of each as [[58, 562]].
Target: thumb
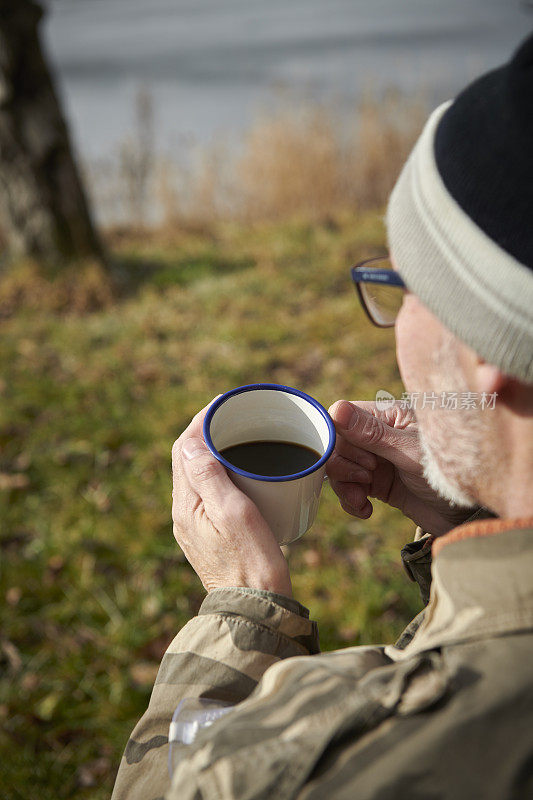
[[209, 479], [362, 428], [222, 500], [205, 474]]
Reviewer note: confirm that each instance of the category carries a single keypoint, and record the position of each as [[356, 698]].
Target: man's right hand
[[378, 454]]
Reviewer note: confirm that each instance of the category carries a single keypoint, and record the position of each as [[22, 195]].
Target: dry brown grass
[[196, 195], [290, 166], [306, 163], [299, 162], [78, 289], [384, 138]]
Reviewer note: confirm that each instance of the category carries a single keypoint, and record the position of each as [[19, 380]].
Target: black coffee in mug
[[271, 458]]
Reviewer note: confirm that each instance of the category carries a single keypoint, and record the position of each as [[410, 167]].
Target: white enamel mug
[[270, 412]]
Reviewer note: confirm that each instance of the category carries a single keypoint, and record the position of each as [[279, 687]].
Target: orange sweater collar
[[482, 527]]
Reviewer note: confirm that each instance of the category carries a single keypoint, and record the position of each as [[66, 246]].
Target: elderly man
[[448, 710]]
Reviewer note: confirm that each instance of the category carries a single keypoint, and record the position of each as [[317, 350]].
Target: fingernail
[[193, 448], [345, 416]]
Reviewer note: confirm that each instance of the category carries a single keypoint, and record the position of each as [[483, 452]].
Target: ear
[[489, 379]]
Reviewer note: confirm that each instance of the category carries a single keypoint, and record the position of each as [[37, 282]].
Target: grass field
[[94, 388]]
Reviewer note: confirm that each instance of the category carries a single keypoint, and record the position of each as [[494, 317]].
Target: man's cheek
[[407, 345]]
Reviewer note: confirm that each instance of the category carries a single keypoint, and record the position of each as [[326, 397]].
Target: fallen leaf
[[311, 558], [13, 480], [92, 773], [144, 673], [12, 654], [13, 596]]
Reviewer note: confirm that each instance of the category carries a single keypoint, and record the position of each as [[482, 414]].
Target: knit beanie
[[460, 218]]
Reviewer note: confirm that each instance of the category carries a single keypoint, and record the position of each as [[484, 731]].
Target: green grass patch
[[93, 586]]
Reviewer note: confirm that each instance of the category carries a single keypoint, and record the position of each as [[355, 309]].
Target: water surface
[[211, 65]]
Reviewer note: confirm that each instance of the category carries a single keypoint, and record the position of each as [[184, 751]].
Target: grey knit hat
[[460, 218]]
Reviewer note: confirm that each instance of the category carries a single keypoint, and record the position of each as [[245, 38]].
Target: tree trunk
[[43, 209]]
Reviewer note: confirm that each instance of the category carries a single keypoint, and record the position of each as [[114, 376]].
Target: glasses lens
[[383, 301]]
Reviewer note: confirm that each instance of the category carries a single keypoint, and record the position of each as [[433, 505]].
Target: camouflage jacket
[[446, 712]]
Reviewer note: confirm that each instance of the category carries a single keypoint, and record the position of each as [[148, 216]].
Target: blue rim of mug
[[279, 388]]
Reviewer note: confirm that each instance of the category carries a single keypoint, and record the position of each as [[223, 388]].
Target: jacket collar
[[481, 587], [481, 527]]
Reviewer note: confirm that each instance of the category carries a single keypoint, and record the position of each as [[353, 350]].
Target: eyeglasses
[[380, 290]]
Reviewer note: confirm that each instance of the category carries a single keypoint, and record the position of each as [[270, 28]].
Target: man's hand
[[220, 530], [378, 454]]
